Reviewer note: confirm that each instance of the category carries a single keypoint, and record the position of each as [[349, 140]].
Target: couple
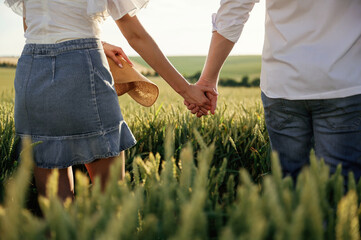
[[310, 81]]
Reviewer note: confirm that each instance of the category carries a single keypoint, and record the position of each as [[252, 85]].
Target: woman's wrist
[[177, 82], [182, 89]]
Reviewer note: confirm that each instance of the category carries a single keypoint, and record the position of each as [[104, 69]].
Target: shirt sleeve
[[17, 6], [118, 8], [231, 17]]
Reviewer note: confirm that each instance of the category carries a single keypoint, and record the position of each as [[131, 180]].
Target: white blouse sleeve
[[231, 17], [100, 9], [118, 8], [97, 9], [17, 6]]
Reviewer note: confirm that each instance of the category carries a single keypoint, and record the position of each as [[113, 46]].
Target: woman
[[64, 93]]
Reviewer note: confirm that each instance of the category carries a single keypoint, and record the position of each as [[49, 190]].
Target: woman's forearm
[[150, 52], [147, 48]]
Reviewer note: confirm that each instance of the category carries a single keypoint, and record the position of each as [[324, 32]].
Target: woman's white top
[[312, 48], [53, 21]]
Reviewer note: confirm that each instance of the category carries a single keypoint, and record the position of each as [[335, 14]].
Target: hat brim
[[129, 80]]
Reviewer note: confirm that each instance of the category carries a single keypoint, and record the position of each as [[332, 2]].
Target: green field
[[187, 178], [235, 67], [7, 76]]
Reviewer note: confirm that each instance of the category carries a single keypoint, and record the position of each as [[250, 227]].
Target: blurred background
[[180, 28]]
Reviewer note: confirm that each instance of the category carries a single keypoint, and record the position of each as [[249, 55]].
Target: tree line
[[8, 65], [229, 82]]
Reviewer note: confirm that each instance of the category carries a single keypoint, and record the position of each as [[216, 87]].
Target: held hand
[[113, 51], [196, 95], [199, 111]]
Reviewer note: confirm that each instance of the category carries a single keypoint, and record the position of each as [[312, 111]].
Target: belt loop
[[53, 64], [33, 49]]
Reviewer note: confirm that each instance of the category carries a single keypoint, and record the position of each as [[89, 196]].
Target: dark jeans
[[331, 126]]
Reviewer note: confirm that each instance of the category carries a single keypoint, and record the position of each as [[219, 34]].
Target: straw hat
[[129, 80]]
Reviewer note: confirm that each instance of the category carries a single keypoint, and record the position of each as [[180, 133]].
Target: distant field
[[11, 60], [235, 66], [7, 76], [167, 95]]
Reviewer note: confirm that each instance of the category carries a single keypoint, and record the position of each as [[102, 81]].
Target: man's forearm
[[219, 50]]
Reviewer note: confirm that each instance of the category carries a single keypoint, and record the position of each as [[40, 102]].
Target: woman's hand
[[113, 51], [200, 111]]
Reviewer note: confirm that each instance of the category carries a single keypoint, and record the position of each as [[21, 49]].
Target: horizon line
[[175, 55]]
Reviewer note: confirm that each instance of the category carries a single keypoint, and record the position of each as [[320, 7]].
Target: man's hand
[[200, 111], [197, 95], [218, 52]]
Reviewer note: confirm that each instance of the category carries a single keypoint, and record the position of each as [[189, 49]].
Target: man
[[310, 78]]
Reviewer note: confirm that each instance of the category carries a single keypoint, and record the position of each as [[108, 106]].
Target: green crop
[[187, 178]]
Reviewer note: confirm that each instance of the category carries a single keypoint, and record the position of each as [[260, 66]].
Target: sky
[[181, 27]]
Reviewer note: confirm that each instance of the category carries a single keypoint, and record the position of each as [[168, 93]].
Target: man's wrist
[[213, 82]]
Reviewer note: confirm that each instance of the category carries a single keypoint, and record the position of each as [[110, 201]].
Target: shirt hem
[[348, 92]]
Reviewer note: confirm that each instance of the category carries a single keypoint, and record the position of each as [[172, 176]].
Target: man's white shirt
[[312, 48]]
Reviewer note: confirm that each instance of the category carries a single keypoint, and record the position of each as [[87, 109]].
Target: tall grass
[[164, 200], [187, 178], [237, 130], [8, 144], [239, 134]]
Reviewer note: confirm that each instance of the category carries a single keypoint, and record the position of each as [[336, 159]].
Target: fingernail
[[120, 65]]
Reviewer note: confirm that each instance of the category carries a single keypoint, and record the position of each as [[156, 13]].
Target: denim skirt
[[65, 100]]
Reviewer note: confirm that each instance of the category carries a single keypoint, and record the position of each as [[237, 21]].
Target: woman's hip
[[64, 90]]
